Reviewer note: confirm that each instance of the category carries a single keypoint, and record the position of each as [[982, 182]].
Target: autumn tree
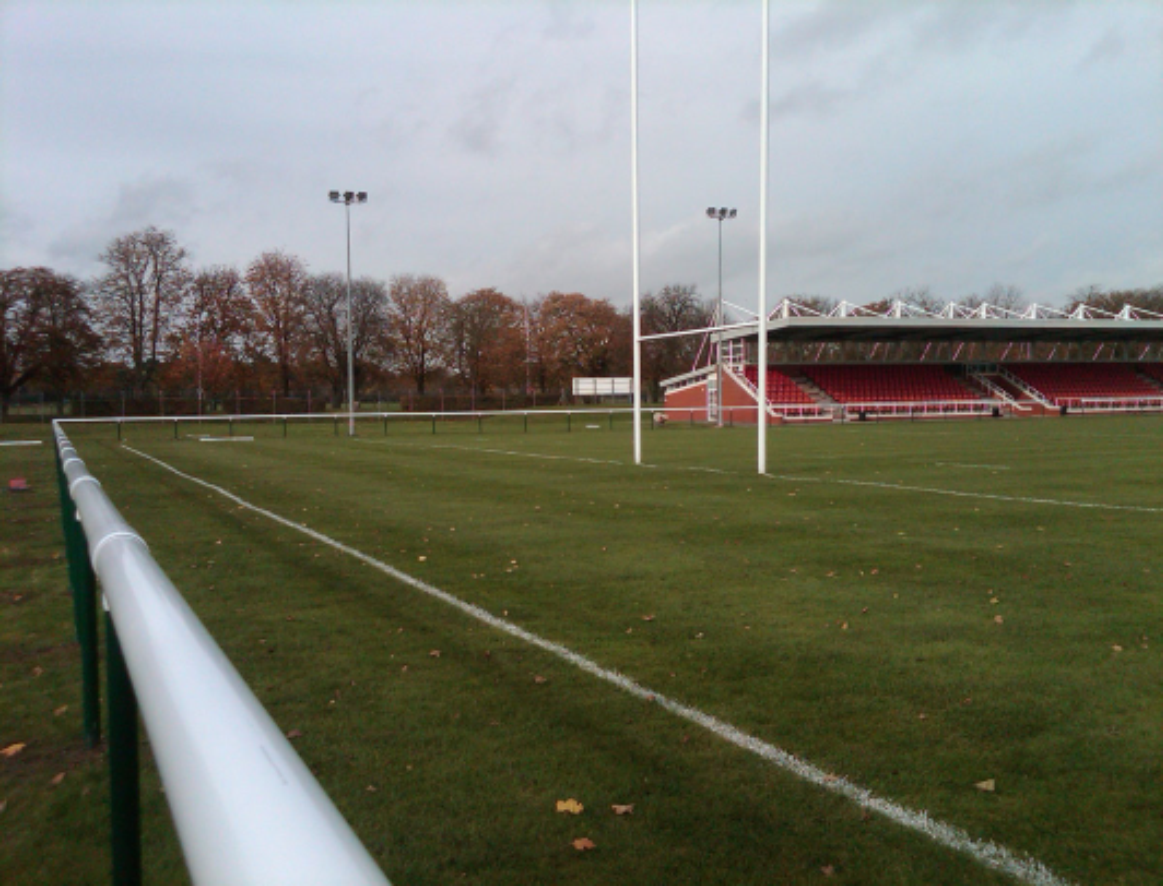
[[325, 316], [575, 336], [211, 339], [486, 339], [1113, 301], [45, 332], [71, 345], [277, 283], [998, 295], [21, 322], [674, 308], [139, 298], [417, 316]]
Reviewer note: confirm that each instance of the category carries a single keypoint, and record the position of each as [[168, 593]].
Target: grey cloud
[[831, 27], [565, 22], [1108, 47], [956, 27], [165, 202], [479, 124], [813, 98]]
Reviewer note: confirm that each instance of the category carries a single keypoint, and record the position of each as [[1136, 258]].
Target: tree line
[[151, 321]]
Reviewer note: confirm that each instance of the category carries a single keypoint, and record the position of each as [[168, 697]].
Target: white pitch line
[[21, 442], [931, 490], [953, 464], [991, 855]]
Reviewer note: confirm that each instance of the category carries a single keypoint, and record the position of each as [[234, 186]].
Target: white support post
[[764, 101], [637, 323]]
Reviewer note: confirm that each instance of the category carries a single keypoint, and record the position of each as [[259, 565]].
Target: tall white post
[[764, 102], [637, 323]]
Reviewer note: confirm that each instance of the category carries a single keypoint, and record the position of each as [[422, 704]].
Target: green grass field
[[916, 608]]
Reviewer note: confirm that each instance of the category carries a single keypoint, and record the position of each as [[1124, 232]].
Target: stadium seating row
[[920, 384], [1071, 381]]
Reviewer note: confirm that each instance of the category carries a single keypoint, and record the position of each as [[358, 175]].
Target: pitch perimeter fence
[[247, 810]]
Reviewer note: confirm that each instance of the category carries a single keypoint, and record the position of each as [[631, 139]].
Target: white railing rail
[[1024, 386], [246, 808]]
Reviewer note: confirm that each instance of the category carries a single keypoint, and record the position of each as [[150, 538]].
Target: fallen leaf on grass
[[648, 618], [371, 788], [13, 749], [1117, 648], [537, 678], [997, 619], [584, 844], [293, 734], [435, 653], [628, 809], [827, 870], [57, 712], [572, 806], [58, 778], [989, 785]]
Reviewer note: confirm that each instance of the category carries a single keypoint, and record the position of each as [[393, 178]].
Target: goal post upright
[[761, 356], [636, 322]]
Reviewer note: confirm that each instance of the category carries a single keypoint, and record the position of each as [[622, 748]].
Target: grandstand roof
[[900, 321]]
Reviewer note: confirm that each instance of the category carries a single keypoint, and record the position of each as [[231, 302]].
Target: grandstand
[[939, 371]]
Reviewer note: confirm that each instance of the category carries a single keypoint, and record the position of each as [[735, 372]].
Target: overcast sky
[[944, 144]]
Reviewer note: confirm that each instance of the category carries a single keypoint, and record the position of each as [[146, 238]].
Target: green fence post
[[175, 429], [84, 586], [124, 780]]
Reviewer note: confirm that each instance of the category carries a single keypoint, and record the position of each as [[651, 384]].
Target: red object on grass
[[18, 484]]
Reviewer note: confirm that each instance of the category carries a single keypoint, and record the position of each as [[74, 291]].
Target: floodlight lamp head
[[711, 212], [334, 195], [361, 196], [733, 213], [348, 196]]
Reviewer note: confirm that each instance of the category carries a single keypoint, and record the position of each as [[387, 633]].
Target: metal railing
[[246, 808]]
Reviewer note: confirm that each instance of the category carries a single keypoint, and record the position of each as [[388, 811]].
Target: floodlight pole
[[347, 198], [719, 215]]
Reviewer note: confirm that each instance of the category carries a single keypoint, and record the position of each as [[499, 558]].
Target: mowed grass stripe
[[999, 858]]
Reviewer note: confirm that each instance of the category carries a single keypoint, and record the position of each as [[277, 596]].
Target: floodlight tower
[[720, 215], [347, 198]]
